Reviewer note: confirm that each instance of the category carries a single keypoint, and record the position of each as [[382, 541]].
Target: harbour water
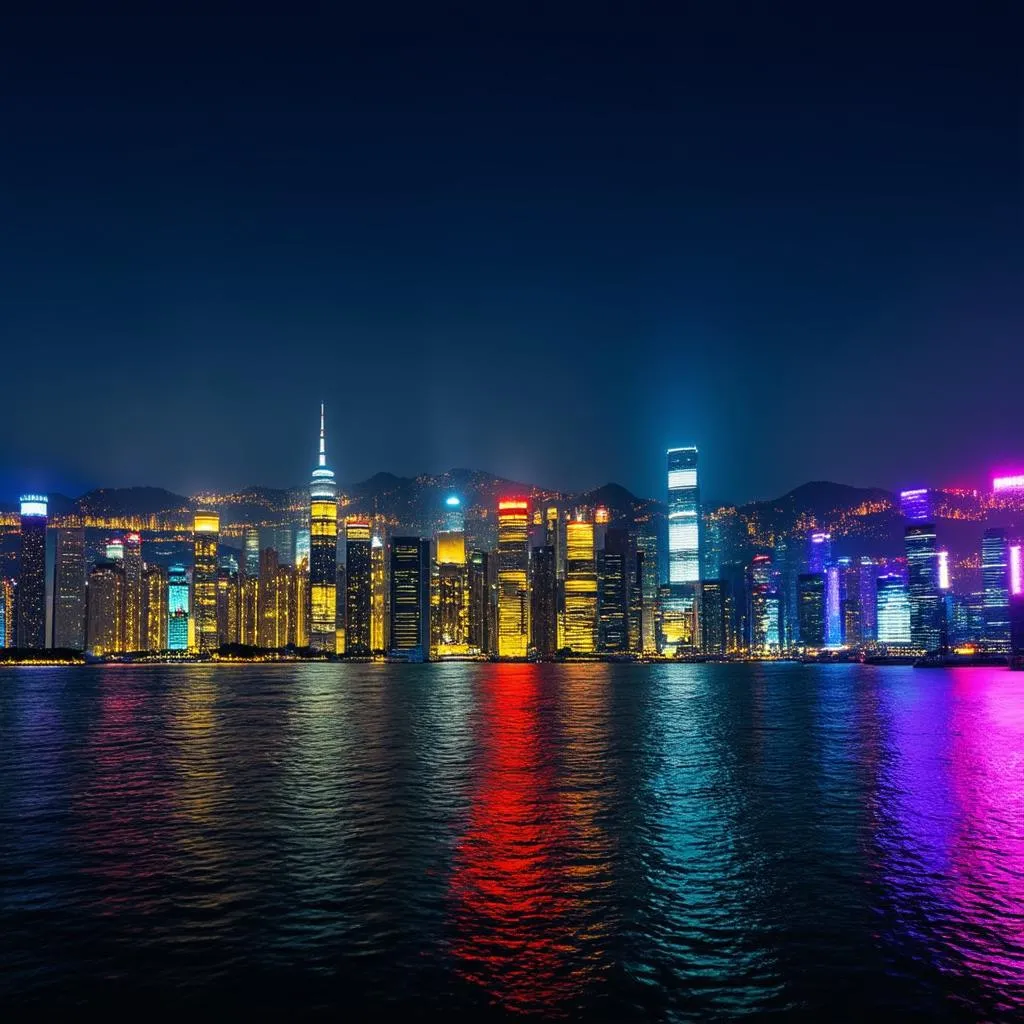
[[620, 842]]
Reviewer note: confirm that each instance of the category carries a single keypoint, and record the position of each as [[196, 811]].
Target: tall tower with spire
[[323, 552]]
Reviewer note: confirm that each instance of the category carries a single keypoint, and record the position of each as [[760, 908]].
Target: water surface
[[467, 841]]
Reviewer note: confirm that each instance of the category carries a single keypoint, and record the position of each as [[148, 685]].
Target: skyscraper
[[544, 591], [683, 516], [177, 608], [450, 614], [580, 616], [713, 619], [615, 570], [105, 608], [647, 548], [154, 608], [893, 612], [923, 587], [252, 551], [31, 595], [7, 631], [358, 588], [69, 589], [513, 578], [811, 608], [206, 534], [410, 598], [995, 576], [379, 595], [480, 632], [132, 619], [323, 552], [915, 505]]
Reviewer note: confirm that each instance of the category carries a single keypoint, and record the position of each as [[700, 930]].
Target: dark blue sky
[[544, 245]]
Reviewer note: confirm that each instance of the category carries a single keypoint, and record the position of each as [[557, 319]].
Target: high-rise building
[[616, 567], [132, 619], [915, 505], [893, 611], [513, 578], [249, 607], [7, 632], [765, 607], [683, 516], [251, 541], [31, 594], [378, 596], [105, 608], [579, 630], [154, 608], [923, 587], [410, 598], [713, 617], [867, 595], [544, 597], [273, 601], [358, 588], [811, 609], [323, 552], [819, 556], [450, 609], [228, 601], [69, 589], [206, 534], [481, 632], [995, 576], [647, 549], [833, 606], [177, 608]]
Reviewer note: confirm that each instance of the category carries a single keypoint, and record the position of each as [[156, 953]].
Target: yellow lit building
[[323, 553], [513, 577], [206, 534], [104, 624], [154, 606], [579, 632], [450, 618], [379, 595]]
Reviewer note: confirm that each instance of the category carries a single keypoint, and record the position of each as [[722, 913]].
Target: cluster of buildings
[[558, 581]]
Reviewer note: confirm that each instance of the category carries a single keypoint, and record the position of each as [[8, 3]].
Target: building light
[[1016, 570], [943, 570], [33, 504], [1008, 483]]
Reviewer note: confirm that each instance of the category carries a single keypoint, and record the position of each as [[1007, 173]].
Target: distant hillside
[[131, 501], [820, 499]]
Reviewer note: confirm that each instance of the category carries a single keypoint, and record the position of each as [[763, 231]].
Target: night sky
[[543, 245]]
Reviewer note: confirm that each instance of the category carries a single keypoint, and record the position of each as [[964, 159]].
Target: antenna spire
[[323, 444]]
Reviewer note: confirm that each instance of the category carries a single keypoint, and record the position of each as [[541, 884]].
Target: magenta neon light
[[943, 570], [1008, 483], [1016, 570]]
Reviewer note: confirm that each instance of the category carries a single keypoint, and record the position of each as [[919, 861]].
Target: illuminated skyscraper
[[228, 600], [915, 505], [616, 566], [358, 588], [69, 589], [513, 578], [206, 534], [378, 596], [893, 612], [765, 609], [995, 575], [450, 617], [252, 551], [923, 587], [31, 599], [579, 631], [714, 637], [811, 609], [544, 598], [683, 516], [323, 552], [833, 606], [105, 609], [177, 608], [819, 556], [410, 598], [132, 619], [480, 617], [154, 608], [647, 547], [7, 587]]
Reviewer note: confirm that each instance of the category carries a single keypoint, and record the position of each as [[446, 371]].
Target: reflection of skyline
[[513, 918]]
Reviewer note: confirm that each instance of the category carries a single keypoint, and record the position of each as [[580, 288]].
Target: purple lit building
[[916, 505]]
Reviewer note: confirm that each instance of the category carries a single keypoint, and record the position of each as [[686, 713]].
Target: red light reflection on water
[[513, 918]]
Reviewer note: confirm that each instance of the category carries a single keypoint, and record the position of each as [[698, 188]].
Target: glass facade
[[323, 553]]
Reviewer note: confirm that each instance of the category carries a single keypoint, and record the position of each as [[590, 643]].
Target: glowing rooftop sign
[[1008, 483], [33, 504], [452, 501]]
